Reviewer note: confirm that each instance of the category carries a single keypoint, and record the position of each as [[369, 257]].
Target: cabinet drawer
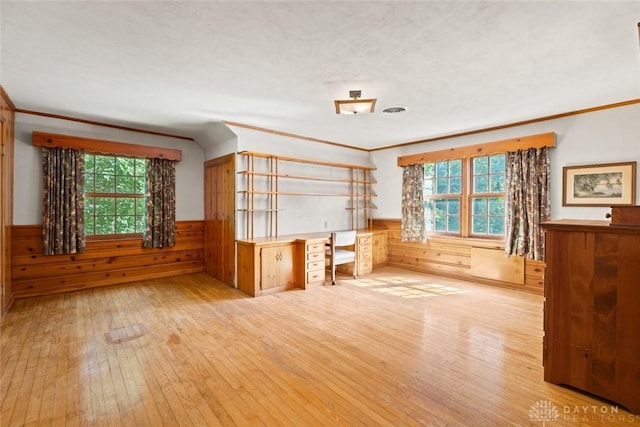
[[364, 240], [315, 265], [315, 247], [364, 267], [315, 256], [315, 276], [364, 255]]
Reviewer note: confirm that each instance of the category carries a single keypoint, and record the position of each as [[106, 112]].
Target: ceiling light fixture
[[355, 105]]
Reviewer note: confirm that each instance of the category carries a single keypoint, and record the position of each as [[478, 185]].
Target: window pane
[[141, 166], [125, 206], [89, 184], [125, 166], [441, 185], [105, 165], [125, 184], [442, 169], [89, 162], [105, 224], [455, 185], [440, 215], [479, 225], [497, 183], [105, 184], [480, 184], [105, 206], [125, 224], [455, 168], [429, 170], [479, 206], [139, 224], [453, 207], [496, 206], [89, 205], [496, 225], [89, 225], [453, 224], [139, 185], [141, 206], [497, 163], [480, 165]]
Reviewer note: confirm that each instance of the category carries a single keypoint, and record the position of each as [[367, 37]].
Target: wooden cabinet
[[267, 267], [379, 248], [592, 312]]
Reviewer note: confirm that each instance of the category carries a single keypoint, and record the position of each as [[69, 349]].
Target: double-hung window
[[114, 195], [443, 196], [487, 195], [466, 196]]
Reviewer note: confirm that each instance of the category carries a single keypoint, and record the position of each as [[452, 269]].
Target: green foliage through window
[[114, 195]]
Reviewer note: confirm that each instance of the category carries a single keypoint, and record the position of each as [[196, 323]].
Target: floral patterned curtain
[[63, 202], [413, 229], [160, 226], [528, 202]]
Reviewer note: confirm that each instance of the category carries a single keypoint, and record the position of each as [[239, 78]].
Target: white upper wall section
[[28, 165], [603, 136], [217, 140], [299, 213]]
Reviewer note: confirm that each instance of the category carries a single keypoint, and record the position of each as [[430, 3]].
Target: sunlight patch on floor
[[405, 287]]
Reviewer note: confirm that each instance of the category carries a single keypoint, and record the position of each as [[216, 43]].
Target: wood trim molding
[[96, 123], [292, 135], [5, 95], [41, 139], [515, 124], [220, 160], [531, 141], [308, 161]]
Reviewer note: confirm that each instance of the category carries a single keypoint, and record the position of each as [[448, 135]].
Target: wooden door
[[219, 218], [6, 199]]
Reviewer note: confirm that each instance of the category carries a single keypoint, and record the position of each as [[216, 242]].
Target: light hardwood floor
[[389, 349]]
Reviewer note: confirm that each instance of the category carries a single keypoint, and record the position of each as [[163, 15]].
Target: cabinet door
[[277, 266], [379, 248], [286, 271], [269, 260]]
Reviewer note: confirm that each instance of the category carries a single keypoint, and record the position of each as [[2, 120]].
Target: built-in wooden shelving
[[262, 177]]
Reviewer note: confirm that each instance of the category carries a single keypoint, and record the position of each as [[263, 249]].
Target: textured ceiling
[[456, 66]]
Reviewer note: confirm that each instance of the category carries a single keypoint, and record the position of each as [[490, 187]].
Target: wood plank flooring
[[393, 348]]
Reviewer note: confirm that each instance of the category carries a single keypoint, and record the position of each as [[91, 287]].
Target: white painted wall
[[217, 140], [28, 165], [604, 136], [301, 214]]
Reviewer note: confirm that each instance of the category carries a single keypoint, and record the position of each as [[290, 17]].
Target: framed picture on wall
[[606, 184]]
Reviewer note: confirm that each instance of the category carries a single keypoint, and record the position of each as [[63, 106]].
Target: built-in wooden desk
[[274, 264]]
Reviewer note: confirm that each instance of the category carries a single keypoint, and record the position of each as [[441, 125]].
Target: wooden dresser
[[592, 309]]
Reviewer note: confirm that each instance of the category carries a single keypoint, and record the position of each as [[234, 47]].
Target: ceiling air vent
[[394, 110]]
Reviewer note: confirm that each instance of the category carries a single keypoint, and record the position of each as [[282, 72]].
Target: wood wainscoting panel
[[495, 265], [103, 263], [452, 257]]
